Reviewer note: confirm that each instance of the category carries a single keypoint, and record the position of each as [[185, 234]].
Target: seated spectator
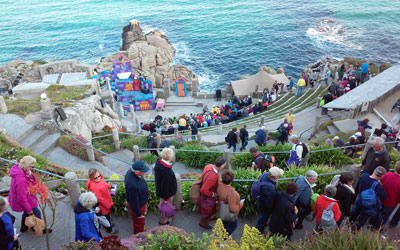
[[350, 151], [325, 202], [337, 142]]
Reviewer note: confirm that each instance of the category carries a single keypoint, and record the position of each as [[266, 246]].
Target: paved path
[[64, 227]]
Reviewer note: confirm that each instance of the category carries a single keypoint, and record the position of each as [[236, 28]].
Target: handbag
[[206, 205], [224, 213]]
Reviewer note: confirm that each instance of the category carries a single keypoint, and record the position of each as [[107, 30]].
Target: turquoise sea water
[[219, 40]]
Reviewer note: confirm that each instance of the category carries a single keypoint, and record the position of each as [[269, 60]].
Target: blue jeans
[[230, 226], [262, 221], [36, 212], [299, 91], [232, 145]]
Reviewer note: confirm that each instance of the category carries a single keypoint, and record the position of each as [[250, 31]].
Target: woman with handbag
[[166, 186], [229, 202], [19, 198]]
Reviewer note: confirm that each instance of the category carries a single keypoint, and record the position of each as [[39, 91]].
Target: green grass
[[21, 108], [61, 93]]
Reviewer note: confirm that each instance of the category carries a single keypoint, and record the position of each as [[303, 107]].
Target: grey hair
[[379, 171], [88, 200], [293, 138], [311, 174], [380, 141], [330, 190], [3, 202]]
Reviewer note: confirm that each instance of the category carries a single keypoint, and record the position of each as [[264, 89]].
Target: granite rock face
[[9, 71], [88, 116]]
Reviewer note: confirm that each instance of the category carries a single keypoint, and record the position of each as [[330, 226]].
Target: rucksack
[[256, 186], [279, 131], [305, 149], [194, 193], [368, 199], [328, 219], [267, 162]]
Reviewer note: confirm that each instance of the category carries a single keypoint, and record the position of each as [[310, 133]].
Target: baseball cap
[[275, 171], [140, 166], [358, 134], [336, 138]]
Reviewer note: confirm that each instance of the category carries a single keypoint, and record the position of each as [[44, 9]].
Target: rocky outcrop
[[268, 70], [30, 69], [131, 33], [88, 116], [321, 67]]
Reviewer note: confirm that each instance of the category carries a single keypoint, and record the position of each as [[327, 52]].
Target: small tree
[[44, 200]]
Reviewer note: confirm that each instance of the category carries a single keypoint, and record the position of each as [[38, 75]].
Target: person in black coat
[[345, 195], [152, 143], [165, 180], [7, 238], [231, 139], [244, 137], [285, 213]]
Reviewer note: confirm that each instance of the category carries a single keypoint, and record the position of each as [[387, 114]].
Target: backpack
[[328, 219], [267, 162], [256, 186], [194, 193], [305, 149], [368, 199]]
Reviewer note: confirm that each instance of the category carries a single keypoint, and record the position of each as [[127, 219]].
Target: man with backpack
[[282, 134], [267, 193], [232, 139], [299, 154], [244, 137], [261, 161], [303, 195], [368, 201], [326, 210], [261, 137]]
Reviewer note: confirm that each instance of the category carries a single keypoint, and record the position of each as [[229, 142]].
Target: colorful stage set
[[180, 86], [130, 88]]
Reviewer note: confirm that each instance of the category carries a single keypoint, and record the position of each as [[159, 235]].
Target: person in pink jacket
[[101, 189], [19, 198]]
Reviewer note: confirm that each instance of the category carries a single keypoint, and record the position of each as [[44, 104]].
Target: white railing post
[[115, 134], [3, 106]]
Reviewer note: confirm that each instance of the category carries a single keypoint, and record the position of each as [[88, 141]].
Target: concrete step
[[33, 138], [16, 127], [322, 133], [346, 125], [180, 104], [46, 144], [332, 129]]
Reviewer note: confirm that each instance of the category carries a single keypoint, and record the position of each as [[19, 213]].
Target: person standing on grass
[[207, 202], [284, 213], [391, 184], [228, 195], [266, 201], [303, 195], [232, 139], [101, 189], [137, 194], [300, 85], [165, 180]]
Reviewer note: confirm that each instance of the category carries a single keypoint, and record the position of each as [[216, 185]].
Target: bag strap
[[374, 185], [229, 196], [331, 205]]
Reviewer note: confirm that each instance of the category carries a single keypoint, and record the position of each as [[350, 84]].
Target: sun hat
[[140, 166], [275, 171], [336, 138]]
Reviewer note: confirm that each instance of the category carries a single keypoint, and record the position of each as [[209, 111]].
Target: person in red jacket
[[391, 184], [323, 202], [101, 189], [207, 202]]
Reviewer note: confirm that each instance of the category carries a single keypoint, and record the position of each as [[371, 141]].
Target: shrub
[[130, 141], [39, 61], [341, 239], [332, 157], [81, 245], [119, 200], [197, 159], [112, 243], [75, 148], [241, 161], [177, 144], [105, 144], [150, 158], [280, 158]]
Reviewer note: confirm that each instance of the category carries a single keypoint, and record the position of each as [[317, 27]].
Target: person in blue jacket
[[85, 229], [261, 137]]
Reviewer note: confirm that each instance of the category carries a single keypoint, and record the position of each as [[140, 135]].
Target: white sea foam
[[182, 53], [148, 28], [329, 31], [101, 46]]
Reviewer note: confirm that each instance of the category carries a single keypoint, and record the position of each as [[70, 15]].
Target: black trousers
[[303, 212]]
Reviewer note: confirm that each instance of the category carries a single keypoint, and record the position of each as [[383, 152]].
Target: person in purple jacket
[[19, 198]]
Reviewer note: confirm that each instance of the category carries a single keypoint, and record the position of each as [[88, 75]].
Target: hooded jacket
[[260, 137], [304, 192], [19, 198], [165, 180], [85, 229], [102, 192], [322, 203]]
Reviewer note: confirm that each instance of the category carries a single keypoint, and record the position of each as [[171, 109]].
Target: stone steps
[[346, 125], [322, 133], [46, 144], [33, 138], [332, 129], [16, 127]]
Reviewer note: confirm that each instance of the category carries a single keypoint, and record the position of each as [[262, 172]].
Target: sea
[[219, 39]]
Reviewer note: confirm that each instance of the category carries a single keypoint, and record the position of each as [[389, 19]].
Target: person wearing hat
[[376, 156], [268, 192], [137, 194], [360, 214], [337, 142]]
